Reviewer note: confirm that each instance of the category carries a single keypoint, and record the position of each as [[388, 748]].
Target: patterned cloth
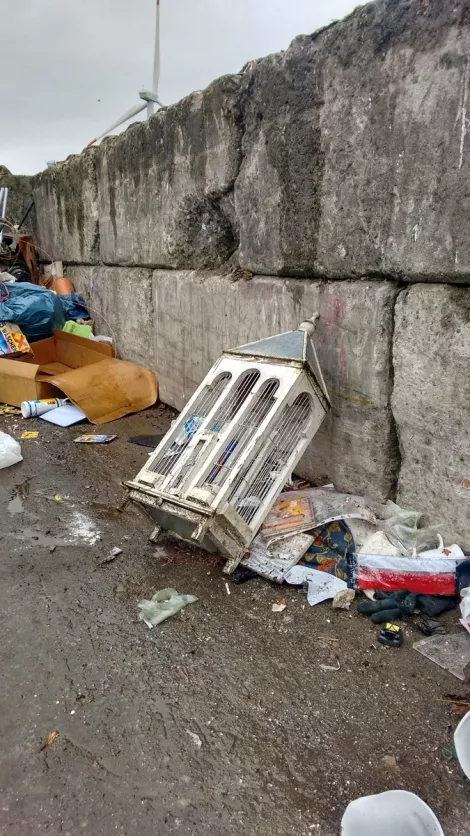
[[328, 553]]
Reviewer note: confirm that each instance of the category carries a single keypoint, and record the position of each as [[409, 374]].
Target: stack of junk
[[222, 479], [52, 364]]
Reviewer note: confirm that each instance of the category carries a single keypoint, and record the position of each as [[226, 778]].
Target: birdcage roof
[[293, 345]]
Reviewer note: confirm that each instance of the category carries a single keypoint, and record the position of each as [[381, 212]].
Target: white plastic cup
[[462, 744], [32, 409], [394, 813]]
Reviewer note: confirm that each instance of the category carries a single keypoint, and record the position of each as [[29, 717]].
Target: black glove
[[391, 607]]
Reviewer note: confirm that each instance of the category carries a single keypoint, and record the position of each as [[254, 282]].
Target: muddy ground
[[285, 745]]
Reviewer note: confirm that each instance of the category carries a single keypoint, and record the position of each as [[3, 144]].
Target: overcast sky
[[70, 68]]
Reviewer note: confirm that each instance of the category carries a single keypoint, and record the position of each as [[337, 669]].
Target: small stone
[[390, 761]]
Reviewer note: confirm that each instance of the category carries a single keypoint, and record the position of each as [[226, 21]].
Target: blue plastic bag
[[74, 307], [34, 308]]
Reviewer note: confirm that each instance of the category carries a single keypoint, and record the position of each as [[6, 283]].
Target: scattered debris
[[58, 497], [391, 635], [165, 603], [113, 554], [29, 435], [343, 599], [321, 586], [242, 574], [458, 705], [333, 668], [64, 416], [273, 560], [430, 627], [422, 574], [227, 588], [94, 439], [308, 509], [9, 410], [465, 608], [151, 441], [10, 450], [279, 607], [22, 488], [449, 652], [195, 738], [53, 735], [13, 342], [388, 606], [34, 409], [331, 546]]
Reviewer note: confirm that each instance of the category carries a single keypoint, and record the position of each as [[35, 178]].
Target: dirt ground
[[284, 745]]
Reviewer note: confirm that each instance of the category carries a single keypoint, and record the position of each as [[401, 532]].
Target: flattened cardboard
[[109, 390]]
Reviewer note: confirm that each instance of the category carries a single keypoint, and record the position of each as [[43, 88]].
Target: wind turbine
[[149, 97]]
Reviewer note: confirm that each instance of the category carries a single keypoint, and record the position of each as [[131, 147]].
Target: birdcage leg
[[155, 534]]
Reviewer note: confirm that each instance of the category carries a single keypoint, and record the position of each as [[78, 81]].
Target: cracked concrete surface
[[285, 745]]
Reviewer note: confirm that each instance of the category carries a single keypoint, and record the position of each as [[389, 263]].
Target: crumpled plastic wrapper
[[165, 603]]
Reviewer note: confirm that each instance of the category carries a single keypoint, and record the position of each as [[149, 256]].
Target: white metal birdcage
[[217, 472]]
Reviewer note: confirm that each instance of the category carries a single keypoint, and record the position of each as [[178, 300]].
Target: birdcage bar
[[203, 441], [271, 463], [243, 432], [284, 443], [192, 487], [201, 405]]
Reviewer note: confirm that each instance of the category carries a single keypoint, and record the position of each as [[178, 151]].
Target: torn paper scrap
[[321, 585]]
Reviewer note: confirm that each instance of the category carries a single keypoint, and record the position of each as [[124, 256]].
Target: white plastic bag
[[10, 451], [401, 528], [462, 744], [465, 609], [393, 813]]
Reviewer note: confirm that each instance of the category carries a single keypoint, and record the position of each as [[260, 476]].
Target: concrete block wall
[[331, 177]]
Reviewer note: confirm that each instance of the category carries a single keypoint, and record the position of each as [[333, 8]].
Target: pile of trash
[[54, 367], [222, 478]]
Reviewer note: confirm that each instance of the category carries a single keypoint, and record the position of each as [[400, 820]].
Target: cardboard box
[[85, 371], [29, 379]]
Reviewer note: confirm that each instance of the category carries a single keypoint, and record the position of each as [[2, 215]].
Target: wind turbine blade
[[156, 60], [130, 113]]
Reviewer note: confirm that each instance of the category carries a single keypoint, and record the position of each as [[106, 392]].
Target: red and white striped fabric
[[427, 575]]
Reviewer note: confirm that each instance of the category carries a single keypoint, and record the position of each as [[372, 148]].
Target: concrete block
[[165, 185], [197, 316], [356, 154], [67, 210], [120, 301], [430, 403]]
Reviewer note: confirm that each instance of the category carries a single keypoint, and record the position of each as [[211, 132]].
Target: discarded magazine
[[218, 471]]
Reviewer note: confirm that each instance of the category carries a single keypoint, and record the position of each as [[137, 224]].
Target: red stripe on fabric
[[436, 584]]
